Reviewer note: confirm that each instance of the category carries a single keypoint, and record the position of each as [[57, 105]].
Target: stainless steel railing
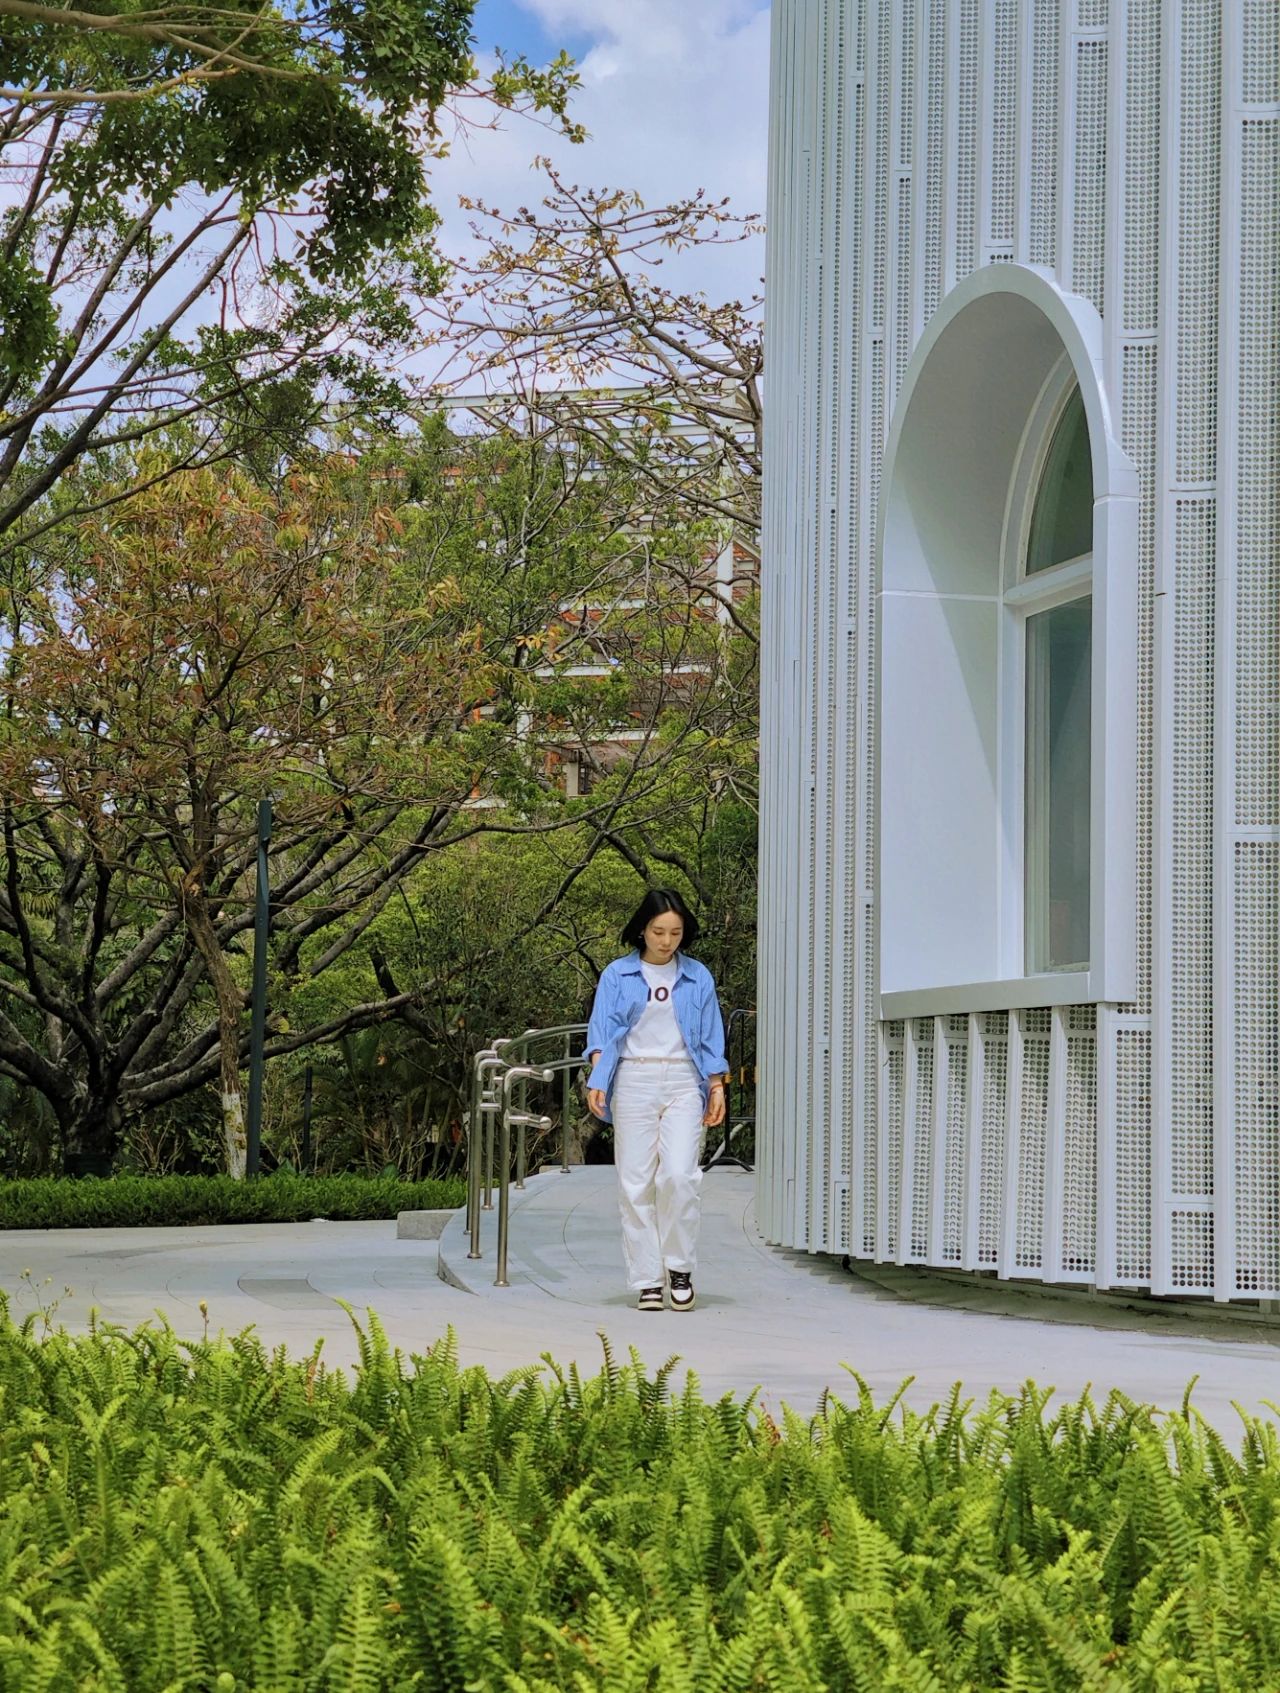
[[496, 1074], [505, 1069]]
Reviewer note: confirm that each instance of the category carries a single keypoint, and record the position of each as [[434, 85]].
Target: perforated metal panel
[[921, 1142], [1249, 821], [912, 142], [902, 301], [1191, 1255], [789, 532], [1033, 1125], [1079, 1163], [882, 1156], [880, 161], [935, 119], [1003, 124], [967, 163], [1132, 1264], [1138, 434], [1256, 1011], [1261, 53], [871, 1177], [995, 1084], [1141, 225], [1197, 272], [1257, 723], [1191, 964], [1042, 240], [905, 84], [957, 1151], [1089, 205], [859, 1075], [824, 1161], [894, 1108]]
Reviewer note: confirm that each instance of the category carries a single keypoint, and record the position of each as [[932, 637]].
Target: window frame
[[945, 944], [1023, 596], [1037, 900]]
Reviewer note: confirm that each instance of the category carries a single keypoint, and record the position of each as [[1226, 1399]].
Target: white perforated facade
[[1097, 181]]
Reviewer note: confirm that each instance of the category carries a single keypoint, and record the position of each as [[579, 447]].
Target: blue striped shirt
[[622, 994]]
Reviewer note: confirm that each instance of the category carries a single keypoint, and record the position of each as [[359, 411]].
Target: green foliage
[[215, 639], [193, 1515], [164, 1201], [28, 321], [367, 658], [279, 154], [334, 99]]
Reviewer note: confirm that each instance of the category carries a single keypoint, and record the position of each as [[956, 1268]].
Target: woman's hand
[[595, 1096], [714, 1114]]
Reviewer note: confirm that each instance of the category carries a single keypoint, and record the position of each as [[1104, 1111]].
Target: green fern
[[211, 1517]]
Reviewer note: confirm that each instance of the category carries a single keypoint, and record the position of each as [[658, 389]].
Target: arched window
[[1050, 599], [1006, 662], [1061, 526]]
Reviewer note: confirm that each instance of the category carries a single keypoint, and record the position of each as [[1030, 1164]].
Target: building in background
[[1019, 945], [615, 627]]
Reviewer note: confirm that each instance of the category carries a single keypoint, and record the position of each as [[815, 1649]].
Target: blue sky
[[674, 96], [516, 29]]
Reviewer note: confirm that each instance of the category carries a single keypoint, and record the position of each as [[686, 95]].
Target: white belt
[[632, 1058]]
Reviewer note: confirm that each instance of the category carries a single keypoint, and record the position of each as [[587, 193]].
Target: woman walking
[[656, 1046]]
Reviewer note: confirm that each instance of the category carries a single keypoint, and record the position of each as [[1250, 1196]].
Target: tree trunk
[[580, 1132], [91, 1138], [233, 1135], [230, 1007]]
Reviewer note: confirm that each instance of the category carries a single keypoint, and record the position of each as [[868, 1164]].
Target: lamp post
[[306, 1118], [258, 1023]]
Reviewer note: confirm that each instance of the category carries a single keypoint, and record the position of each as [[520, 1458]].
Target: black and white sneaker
[[650, 1299], [681, 1290]]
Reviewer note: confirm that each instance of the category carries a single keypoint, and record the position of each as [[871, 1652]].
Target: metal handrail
[[480, 1146], [567, 1064], [494, 1076], [517, 1073], [490, 1098], [530, 1034]]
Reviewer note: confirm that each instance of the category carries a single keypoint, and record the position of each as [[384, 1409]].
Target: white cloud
[[674, 94]]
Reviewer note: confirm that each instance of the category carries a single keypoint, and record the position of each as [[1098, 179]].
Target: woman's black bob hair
[[656, 903]]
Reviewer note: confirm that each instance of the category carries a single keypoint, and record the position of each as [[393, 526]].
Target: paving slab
[[790, 1323]]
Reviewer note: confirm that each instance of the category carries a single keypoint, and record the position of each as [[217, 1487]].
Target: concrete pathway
[[783, 1320]]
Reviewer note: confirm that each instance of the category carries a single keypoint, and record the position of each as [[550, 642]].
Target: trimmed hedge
[[205, 1517], [48, 1202]]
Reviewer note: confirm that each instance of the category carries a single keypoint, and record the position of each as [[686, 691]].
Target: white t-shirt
[[655, 1032]]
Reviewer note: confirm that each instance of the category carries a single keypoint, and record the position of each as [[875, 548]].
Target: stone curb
[[422, 1225]]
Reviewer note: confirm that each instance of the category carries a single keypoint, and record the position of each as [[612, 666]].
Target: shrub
[[205, 1515], [163, 1201]]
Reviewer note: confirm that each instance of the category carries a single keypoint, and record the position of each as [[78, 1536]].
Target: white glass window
[[1056, 912], [1053, 605], [1062, 518]]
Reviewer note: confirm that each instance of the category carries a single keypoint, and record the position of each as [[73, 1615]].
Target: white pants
[[657, 1139]]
